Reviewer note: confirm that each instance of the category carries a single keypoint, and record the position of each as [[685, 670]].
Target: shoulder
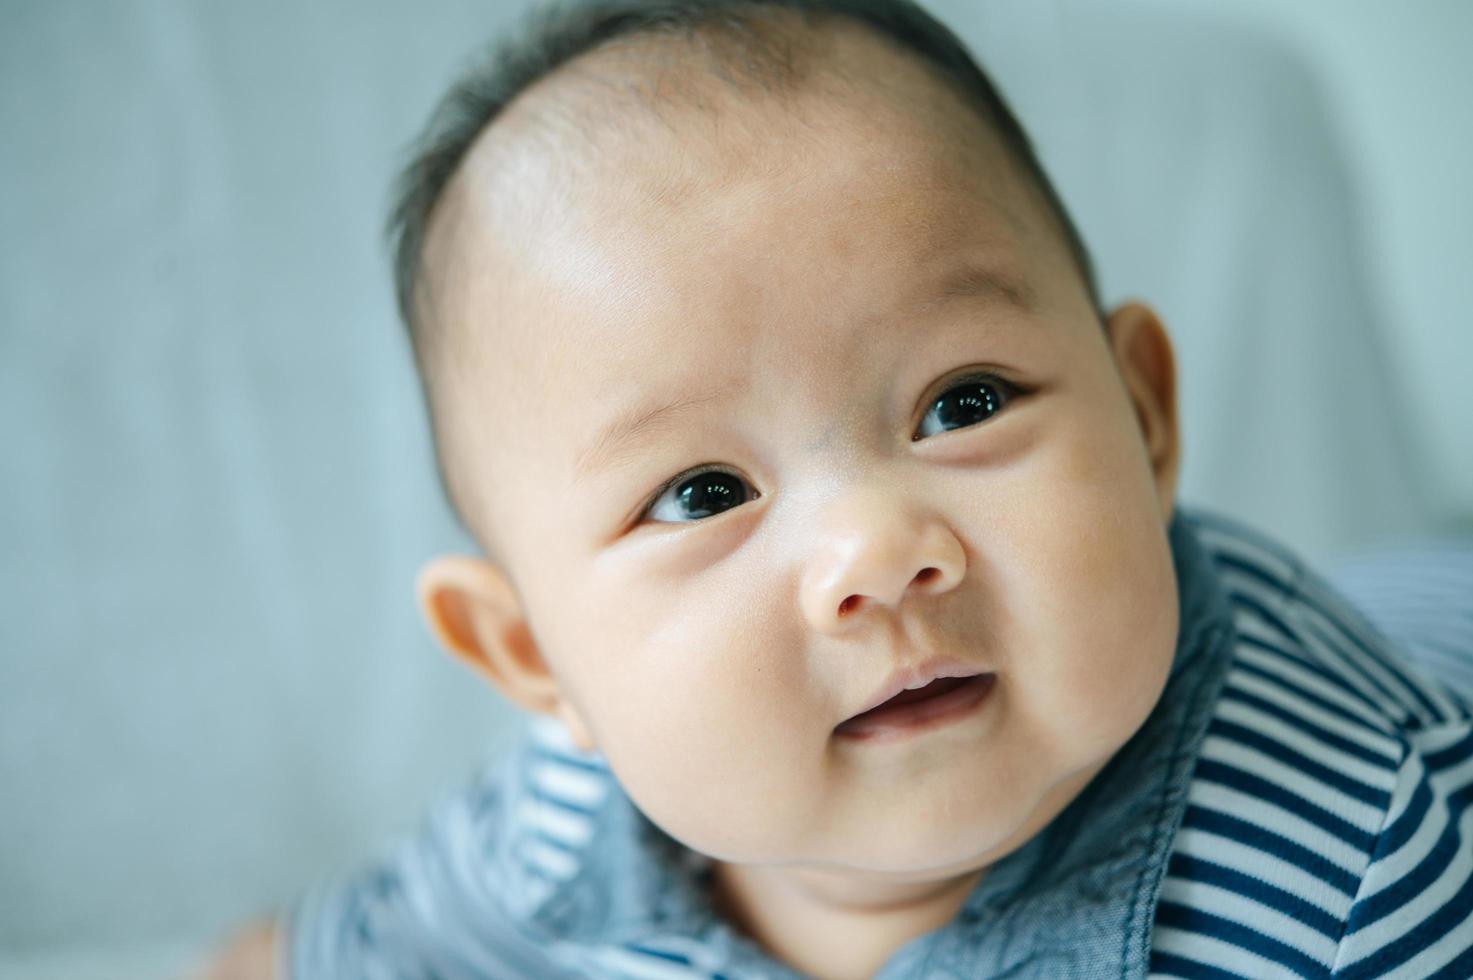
[[1422, 595], [1332, 780], [1286, 615], [468, 885]]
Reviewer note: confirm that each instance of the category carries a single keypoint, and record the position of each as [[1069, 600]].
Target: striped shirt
[[1422, 596], [1296, 805], [1327, 831]]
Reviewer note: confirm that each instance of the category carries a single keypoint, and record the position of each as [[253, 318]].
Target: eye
[[694, 496], [968, 402], [705, 493]]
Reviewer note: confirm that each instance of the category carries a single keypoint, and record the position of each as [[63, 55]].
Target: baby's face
[[762, 422]]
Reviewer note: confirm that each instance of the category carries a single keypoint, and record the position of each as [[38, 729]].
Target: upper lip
[[912, 676]]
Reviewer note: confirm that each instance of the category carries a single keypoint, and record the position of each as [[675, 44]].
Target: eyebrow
[[618, 438], [613, 444], [972, 281]]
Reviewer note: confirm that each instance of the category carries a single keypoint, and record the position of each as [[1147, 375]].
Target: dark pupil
[[966, 405], [710, 493]]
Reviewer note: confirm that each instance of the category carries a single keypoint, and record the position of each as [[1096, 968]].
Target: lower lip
[[903, 720]]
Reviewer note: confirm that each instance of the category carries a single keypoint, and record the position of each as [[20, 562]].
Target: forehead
[[619, 256], [647, 132]]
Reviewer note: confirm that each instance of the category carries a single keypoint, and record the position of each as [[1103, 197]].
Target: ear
[[475, 613], [1146, 364]]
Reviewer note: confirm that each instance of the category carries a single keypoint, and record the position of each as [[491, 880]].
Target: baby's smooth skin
[[824, 283]]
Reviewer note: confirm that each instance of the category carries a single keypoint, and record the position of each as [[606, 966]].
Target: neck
[[834, 925]]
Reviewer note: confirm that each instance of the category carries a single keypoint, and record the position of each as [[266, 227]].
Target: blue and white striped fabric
[[1304, 813], [450, 902], [1328, 831], [1422, 596]]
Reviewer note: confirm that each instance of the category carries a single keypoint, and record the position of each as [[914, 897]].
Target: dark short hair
[[553, 34]]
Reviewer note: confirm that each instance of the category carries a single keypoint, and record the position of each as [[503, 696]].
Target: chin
[[929, 850]]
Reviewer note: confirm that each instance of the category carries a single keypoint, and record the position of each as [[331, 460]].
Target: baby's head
[[767, 371]]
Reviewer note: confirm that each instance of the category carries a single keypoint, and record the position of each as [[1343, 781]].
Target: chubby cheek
[[1084, 567], [703, 709]]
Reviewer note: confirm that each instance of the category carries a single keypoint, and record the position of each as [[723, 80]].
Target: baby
[[830, 525]]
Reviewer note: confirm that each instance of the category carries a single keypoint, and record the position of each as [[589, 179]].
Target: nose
[[874, 550]]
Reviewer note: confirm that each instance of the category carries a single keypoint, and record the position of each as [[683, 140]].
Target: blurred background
[[216, 486]]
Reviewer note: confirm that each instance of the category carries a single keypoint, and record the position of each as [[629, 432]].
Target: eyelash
[[1005, 389]]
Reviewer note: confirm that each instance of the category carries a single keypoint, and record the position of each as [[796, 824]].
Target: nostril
[[925, 575], [848, 605]]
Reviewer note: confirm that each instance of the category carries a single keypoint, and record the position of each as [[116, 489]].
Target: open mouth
[[940, 702]]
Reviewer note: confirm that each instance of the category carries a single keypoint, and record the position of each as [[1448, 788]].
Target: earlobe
[[1147, 365], [577, 728], [474, 612], [447, 587]]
